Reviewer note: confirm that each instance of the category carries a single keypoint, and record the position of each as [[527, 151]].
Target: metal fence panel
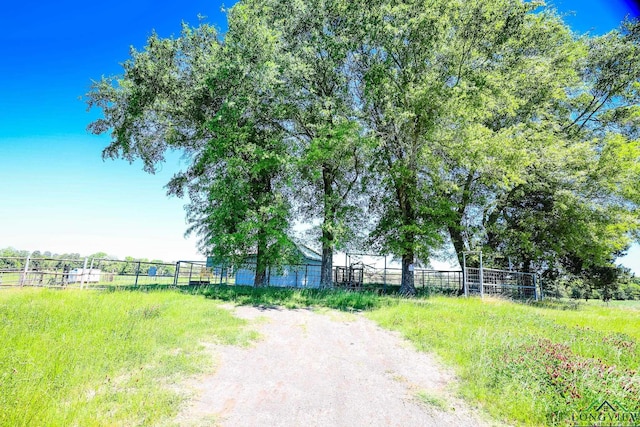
[[502, 283], [105, 273], [91, 273]]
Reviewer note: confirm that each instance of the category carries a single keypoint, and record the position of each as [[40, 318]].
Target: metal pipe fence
[[293, 276], [502, 283], [308, 276], [83, 273], [106, 273], [443, 281]]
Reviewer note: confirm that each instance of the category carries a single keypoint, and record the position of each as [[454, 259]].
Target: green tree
[[403, 98], [321, 129], [576, 207], [485, 124], [442, 87], [511, 69], [630, 289], [210, 101], [499, 128], [12, 259]]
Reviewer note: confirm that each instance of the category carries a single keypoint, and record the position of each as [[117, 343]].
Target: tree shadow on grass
[[272, 297], [556, 304]]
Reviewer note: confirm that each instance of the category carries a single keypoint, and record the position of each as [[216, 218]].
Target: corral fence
[[471, 281], [105, 273], [501, 283], [292, 276], [424, 280], [84, 273], [197, 273], [308, 276]]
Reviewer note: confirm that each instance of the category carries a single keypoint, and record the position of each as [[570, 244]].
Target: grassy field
[[632, 304], [533, 365], [104, 358], [91, 358]]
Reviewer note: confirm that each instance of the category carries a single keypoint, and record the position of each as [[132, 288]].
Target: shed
[[304, 275]]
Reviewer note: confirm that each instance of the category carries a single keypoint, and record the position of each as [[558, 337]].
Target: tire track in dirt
[[324, 369]]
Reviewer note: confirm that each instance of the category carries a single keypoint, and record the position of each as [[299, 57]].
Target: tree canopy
[[417, 125]]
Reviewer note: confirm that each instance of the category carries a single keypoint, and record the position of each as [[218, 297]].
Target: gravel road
[[323, 369]]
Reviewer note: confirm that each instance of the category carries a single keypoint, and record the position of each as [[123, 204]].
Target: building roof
[[308, 253]]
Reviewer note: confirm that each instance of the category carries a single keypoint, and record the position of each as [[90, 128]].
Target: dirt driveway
[[324, 369]]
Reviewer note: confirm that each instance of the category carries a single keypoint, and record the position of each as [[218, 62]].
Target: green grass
[[72, 357], [91, 358], [294, 298], [534, 365], [432, 400]]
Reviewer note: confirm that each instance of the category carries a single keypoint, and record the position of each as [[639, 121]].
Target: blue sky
[[57, 194]]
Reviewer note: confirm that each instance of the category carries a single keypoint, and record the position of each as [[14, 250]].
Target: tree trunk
[[262, 189], [458, 242], [260, 278], [407, 288], [326, 269], [458, 246], [326, 278], [404, 191], [455, 230]]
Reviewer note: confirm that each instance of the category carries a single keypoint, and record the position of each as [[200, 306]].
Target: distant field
[[102, 358], [52, 280]]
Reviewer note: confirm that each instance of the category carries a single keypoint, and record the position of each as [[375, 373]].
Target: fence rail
[[502, 283], [89, 273], [444, 281], [105, 273]]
